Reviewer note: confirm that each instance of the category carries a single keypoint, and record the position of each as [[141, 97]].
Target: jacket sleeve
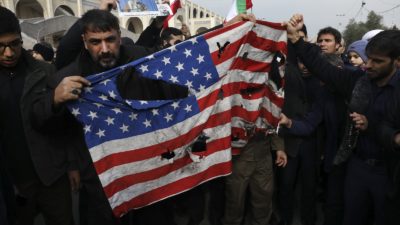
[[70, 46], [150, 37], [44, 115], [387, 129], [309, 123], [277, 143], [341, 80]]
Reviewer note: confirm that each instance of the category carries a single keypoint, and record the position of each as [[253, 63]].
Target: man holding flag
[[103, 51]]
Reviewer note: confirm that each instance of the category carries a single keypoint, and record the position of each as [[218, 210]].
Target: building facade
[[194, 15]]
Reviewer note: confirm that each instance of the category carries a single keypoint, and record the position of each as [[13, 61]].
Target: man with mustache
[[102, 51], [367, 92]]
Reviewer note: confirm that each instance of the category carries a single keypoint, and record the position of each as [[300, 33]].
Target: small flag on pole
[[238, 6], [175, 5]]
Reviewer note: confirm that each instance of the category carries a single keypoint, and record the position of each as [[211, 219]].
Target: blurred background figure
[[356, 53], [43, 51]]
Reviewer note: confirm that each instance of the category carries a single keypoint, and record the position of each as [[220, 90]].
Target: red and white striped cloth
[[127, 139]]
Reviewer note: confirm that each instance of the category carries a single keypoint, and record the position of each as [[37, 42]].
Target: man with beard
[[367, 93], [102, 51], [389, 134]]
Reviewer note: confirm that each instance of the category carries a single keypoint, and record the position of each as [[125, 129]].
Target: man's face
[[103, 47], [380, 66], [355, 59], [327, 43], [304, 71], [10, 49]]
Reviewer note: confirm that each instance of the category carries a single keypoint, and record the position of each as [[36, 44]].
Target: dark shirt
[[13, 139], [368, 146], [343, 81]]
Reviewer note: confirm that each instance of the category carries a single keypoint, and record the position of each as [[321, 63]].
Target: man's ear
[[84, 41], [337, 46]]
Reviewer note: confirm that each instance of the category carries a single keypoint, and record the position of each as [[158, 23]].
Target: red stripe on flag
[[134, 155], [237, 88], [265, 44], [251, 116], [222, 30], [277, 26], [250, 65], [124, 182], [174, 188]]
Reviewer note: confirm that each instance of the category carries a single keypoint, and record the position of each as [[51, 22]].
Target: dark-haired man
[[367, 93], [37, 163], [389, 135], [102, 51], [329, 40]]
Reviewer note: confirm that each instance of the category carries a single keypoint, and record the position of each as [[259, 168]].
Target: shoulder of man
[[133, 52], [69, 70], [33, 64]]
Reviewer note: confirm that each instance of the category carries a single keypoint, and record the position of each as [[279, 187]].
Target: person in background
[[356, 53], [368, 92], [185, 31], [39, 165], [329, 40], [43, 51]]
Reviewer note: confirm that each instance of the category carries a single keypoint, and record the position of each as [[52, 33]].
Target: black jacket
[[296, 106], [47, 150], [343, 81], [386, 132]]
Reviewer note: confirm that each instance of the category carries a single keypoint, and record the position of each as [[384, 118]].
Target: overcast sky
[[317, 13]]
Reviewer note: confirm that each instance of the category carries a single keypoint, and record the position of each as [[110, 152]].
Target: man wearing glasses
[[36, 163]]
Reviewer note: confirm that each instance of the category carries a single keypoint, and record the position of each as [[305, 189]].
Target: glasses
[[13, 45]]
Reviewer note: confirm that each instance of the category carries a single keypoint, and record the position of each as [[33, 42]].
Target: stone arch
[[201, 30], [134, 25], [201, 14], [207, 15], [180, 18], [63, 10], [194, 13], [25, 9]]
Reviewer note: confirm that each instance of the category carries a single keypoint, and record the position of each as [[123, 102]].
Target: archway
[[26, 9], [135, 25], [194, 13], [63, 10], [201, 30]]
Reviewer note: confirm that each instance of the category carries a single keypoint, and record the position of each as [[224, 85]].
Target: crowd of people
[[338, 136]]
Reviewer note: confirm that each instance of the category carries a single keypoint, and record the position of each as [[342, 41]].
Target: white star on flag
[[75, 111], [101, 133], [124, 128], [147, 123], [166, 61], [110, 120], [180, 66], [92, 115], [188, 53]]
